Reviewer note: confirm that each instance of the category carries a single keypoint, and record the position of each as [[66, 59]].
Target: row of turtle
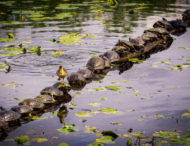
[[50, 96], [95, 66], [138, 46]]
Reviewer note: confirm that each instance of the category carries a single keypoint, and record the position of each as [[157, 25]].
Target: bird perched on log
[[61, 73]]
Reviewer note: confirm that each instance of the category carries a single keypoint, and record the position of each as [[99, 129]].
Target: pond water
[[151, 96]]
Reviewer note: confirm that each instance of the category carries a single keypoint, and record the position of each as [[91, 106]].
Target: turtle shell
[[163, 24], [157, 31], [139, 43], [125, 44], [95, 63], [34, 104], [45, 99], [9, 116], [122, 51], [76, 80], [112, 56], [106, 61], [22, 109], [149, 37], [53, 91], [86, 73], [62, 86]]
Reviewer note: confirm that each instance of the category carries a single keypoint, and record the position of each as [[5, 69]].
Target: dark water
[[152, 87]]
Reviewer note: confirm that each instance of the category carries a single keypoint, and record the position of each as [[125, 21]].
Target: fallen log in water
[[153, 40]]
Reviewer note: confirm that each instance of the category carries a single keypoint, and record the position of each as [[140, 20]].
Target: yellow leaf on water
[[27, 41], [140, 119], [154, 66], [5, 85]]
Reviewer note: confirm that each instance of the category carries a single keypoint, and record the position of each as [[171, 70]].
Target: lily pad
[[23, 139], [165, 134], [91, 129], [83, 114], [95, 104], [68, 128], [185, 115], [63, 144], [136, 60], [114, 88], [105, 140], [40, 140]]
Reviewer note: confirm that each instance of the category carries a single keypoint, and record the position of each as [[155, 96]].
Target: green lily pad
[[90, 129], [40, 140], [108, 110], [63, 144], [136, 60], [68, 128], [63, 15], [2, 66], [105, 140], [185, 115], [23, 139], [65, 7], [165, 134], [114, 88]]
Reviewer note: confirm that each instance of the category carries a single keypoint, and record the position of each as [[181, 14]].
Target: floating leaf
[[126, 135], [129, 142], [68, 128], [159, 116], [65, 7], [38, 50], [133, 69], [97, 89], [114, 88], [136, 60], [27, 41], [115, 123], [5, 85], [104, 98], [40, 140], [91, 129], [23, 139], [165, 134], [97, 11], [165, 62], [2, 66], [96, 104], [185, 115], [63, 15], [184, 48], [57, 53], [63, 144], [36, 117], [154, 66], [105, 140], [108, 110], [83, 114], [140, 119]]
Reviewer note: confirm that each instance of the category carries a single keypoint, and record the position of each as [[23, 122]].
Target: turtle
[[163, 24], [124, 48], [186, 16], [22, 109], [34, 104], [61, 72], [45, 99], [11, 117], [138, 43], [62, 86], [96, 64], [53, 91], [112, 56], [107, 63], [159, 31], [149, 37], [86, 73], [76, 80], [179, 27]]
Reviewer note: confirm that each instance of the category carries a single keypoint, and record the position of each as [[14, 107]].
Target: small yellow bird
[[61, 73]]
